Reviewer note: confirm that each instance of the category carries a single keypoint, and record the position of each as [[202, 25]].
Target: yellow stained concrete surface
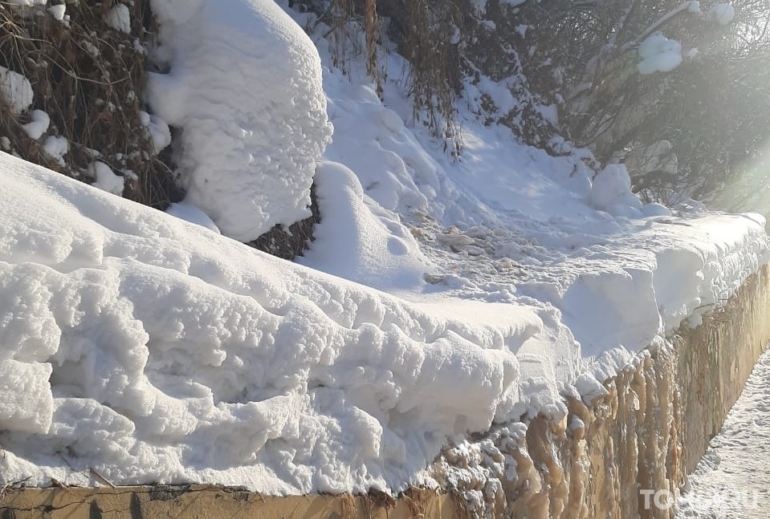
[[213, 502]]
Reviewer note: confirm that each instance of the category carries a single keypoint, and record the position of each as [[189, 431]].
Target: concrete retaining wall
[[647, 433]]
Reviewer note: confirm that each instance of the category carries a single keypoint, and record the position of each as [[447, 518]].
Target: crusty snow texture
[[245, 88], [152, 349]]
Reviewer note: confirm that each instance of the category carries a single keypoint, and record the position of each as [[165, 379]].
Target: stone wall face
[[645, 434], [716, 360]]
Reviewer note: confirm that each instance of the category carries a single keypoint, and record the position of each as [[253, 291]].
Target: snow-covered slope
[[153, 349], [156, 350], [511, 223]]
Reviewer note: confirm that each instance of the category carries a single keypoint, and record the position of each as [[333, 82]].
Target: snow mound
[[245, 88], [38, 125], [353, 243], [106, 179], [611, 192], [722, 14], [158, 130], [659, 54], [57, 146], [372, 141], [190, 213], [655, 209], [16, 90], [510, 223], [119, 18], [154, 350]]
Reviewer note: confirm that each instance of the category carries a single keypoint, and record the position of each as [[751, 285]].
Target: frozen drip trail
[[732, 481]]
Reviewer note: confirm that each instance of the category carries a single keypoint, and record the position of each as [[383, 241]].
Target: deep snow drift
[[156, 350]]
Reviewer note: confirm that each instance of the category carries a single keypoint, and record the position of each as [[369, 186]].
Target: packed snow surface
[[731, 480], [244, 87], [438, 296]]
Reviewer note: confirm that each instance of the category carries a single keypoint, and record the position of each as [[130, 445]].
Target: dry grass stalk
[[89, 79]]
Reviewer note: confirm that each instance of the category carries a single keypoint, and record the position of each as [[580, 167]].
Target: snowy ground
[[509, 223], [438, 297], [732, 480]]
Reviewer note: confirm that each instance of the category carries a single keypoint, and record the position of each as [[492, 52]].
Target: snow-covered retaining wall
[[645, 434], [610, 457], [615, 455]]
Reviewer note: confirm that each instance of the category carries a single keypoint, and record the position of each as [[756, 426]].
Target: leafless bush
[[712, 108], [89, 79]]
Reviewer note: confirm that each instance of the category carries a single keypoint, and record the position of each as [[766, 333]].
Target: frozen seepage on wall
[[644, 435]]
